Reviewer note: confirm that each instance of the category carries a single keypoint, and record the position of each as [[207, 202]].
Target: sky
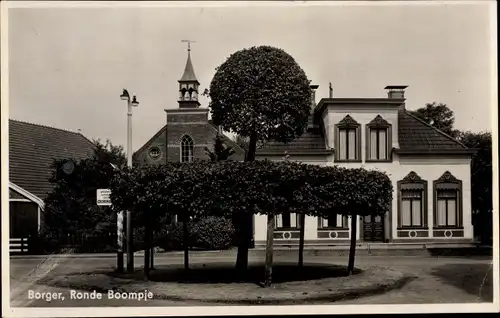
[[68, 66]]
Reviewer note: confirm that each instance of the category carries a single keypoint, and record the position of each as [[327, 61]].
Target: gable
[[167, 142]]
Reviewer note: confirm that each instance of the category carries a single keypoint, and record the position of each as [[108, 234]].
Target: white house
[[430, 172]]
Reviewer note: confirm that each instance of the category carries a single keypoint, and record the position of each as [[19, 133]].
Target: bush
[[211, 233]]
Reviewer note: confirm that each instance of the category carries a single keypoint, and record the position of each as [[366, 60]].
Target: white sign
[[103, 197]]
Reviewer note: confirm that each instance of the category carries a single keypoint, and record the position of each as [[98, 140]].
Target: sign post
[[103, 199]]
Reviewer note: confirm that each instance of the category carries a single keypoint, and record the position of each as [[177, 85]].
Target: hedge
[[231, 189]]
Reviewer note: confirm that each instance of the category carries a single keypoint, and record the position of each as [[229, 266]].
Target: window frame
[[447, 182], [412, 182], [379, 123], [348, 123], [188, 141], [287, 228], [345, 223]]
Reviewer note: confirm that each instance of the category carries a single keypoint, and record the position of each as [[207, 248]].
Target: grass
[[221, 273], [219, 283]]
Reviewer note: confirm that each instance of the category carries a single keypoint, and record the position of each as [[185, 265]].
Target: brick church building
[[188, 131]]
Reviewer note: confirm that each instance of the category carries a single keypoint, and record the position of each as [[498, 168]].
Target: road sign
[[103, 197]]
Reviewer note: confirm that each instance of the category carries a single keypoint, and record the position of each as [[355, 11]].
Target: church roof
[[32, 149], [188, 75]]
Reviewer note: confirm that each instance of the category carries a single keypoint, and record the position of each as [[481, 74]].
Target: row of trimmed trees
[[239, 190]]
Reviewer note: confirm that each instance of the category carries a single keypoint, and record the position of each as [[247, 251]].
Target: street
[[26, 272]]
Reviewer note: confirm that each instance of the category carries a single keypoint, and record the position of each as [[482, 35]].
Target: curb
[[296, 300], [330, 297]]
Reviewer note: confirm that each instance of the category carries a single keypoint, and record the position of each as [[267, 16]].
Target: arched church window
[[187, 149], [194, 95], [186, 95]]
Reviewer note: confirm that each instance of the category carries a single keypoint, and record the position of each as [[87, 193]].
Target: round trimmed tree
[[260, 93]]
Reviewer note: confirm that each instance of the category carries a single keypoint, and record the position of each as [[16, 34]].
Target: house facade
[[430, 171]]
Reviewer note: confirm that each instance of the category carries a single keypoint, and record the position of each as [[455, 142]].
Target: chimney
[[330, 91], [313, 97], [397, 92]]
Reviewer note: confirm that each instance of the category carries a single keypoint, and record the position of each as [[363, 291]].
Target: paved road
[[26, 272]]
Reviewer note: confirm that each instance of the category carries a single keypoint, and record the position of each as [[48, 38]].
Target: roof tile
[[32, 150], [414, 134]]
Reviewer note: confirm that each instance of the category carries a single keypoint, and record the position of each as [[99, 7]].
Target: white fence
[[18, 245]]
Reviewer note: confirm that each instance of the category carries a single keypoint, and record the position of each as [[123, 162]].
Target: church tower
[[188, 85]]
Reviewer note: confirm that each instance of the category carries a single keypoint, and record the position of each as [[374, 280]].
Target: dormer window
[[347, 140], [378, 140]]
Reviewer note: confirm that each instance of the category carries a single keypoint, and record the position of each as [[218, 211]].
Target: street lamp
[[130, 103]]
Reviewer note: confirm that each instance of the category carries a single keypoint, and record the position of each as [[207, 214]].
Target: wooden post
[[147, 244], [352, 250], [153, 245], [301, 239], [186, 242], [120, 241], [269, 250]]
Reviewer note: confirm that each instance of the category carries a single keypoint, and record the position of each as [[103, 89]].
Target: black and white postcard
[[205, 158]]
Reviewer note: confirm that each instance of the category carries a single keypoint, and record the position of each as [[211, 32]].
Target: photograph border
[[7, 311]]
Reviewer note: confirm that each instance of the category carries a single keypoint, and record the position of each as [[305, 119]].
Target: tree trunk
[[147, 245], [186, 243], [269, 250], [151, 261], [243, 242], [245, 223], [301, 239], [352, 250]]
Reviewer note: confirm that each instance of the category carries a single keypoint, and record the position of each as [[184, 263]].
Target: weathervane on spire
[[189, 43]]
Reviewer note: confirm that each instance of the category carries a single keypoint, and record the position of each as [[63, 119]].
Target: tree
[[437, 115], [220, 151], [262, 94], [481, 179], [225, 188], [71, 206]]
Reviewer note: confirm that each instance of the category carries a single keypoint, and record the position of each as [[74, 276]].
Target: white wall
[[363, 115], [427, 167]]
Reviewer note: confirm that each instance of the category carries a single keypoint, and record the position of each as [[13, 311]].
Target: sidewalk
[[113, 255], [448, 250]]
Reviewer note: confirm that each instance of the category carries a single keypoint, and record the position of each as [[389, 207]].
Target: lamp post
[[130, 103]]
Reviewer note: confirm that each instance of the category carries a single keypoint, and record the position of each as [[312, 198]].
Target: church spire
[[188, 84], [189, 70]]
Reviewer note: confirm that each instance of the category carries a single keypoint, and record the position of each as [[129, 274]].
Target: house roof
[[415, 136], [32, 150], [309, 143]]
